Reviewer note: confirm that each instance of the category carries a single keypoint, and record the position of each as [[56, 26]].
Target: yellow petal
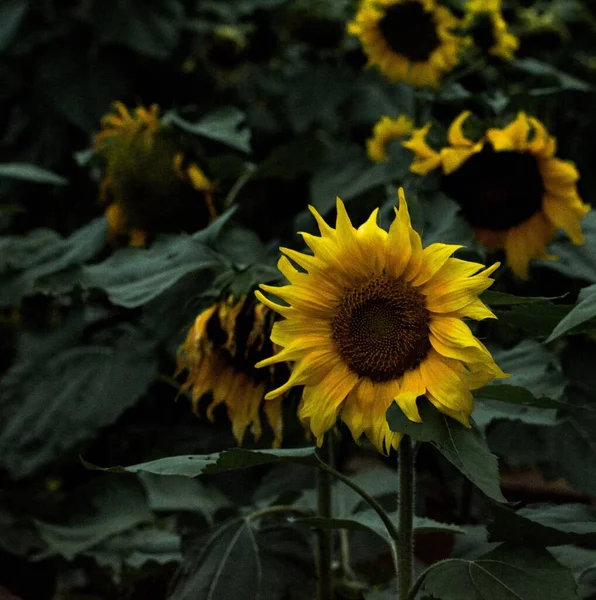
[[321, 403]]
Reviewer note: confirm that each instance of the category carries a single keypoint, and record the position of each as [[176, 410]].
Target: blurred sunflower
[[374, 318], [409, 40], [219, 353], [148, 185], [509, 185], [488, 29], [384, 132]]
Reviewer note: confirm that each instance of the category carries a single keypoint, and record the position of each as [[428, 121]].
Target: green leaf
[[506, 573], [134, 548], [242, 561], [68, 397], [12, 13], [348, 173], [315, 94], [225, 125], [581, 561], [178, 493], [501, 299], [583, 311], [40, 261], [21, 251], [370, 521], [465, 448], [132, 277], [119, 506], [534, 320], [32, 173], [228, 460], [544, 525], [536, 67], [150, 29], [513, 394], [577, 261]]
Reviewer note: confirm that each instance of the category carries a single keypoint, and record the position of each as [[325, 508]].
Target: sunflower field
[[297, 300]]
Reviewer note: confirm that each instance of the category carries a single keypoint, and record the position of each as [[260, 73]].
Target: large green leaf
[[506, 573], [31, 173], [132, 277], [533, 392], [581, 561], [537, 67], [544, 525], [120, 505], [178, 493], [11, 17], [225, 125], [347, 173], [243, 561], [228, 460], [53, 404], [134, 548], [583, 311], [151, 29], [577, 261], [42, 255], [369, 520], [465, 448]]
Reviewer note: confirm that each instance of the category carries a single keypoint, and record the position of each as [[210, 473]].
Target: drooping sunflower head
[[148, 184], [371, 318], [510, 186], [488, 29], [408, 40], [220, 351], [384, 132]]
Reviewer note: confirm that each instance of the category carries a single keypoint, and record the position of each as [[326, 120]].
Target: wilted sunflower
[[488, 29], [409, 40], [509, 185], [384, 132], [374, 318], [219, 354], [148, 185]]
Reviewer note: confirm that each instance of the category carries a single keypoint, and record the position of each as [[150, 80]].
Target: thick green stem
[[325, 578], [405, 540]]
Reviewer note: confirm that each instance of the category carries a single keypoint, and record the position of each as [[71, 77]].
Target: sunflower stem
[[325, 579], [405, 542]]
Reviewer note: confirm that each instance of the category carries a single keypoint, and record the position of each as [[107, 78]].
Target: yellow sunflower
[[510, 186], [372, 318], [408, 40], [148, 185], [488, 29], [384, 132], [219, 354]]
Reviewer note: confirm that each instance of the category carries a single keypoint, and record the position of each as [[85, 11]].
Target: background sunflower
[[510, 186], [148, 184], [408, 40]]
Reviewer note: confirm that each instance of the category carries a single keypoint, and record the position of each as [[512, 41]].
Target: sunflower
[[148, 186], [219, 354], [374, 318], [384, 132], [488, 29], [409, 40], [509, 185]]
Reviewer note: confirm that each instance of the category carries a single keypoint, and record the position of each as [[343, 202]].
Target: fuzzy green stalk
[[405, 541], [324, 546]]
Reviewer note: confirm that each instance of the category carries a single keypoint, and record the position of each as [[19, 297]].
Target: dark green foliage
[[271, 100]]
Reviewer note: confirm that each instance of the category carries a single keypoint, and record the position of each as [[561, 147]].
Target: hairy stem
[[406, 517], [325, 579]]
